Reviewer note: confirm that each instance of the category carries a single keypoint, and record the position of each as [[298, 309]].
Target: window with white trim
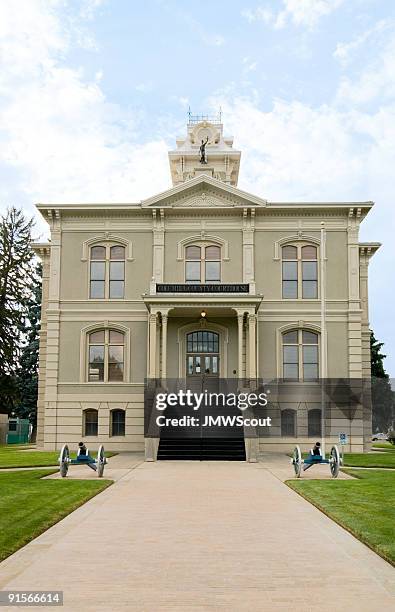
[[202, 263], [106, 354], [107, 272], [314, 423], [90, 422], [299, 271], [300, 355], [288, 423], [117, 420]]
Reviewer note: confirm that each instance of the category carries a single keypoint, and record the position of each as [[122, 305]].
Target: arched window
[[106, 356], [288, 423], [107, 272], [203, 263], [90, 422], [314, 423], [299, 271], [117, 422], [300, 355]]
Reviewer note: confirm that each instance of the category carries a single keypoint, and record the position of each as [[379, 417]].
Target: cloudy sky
[[94, 92]]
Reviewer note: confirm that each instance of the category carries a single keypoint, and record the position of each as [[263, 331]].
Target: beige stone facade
[[116, 308]]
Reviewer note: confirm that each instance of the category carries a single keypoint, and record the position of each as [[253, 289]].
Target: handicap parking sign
[[343, 438]]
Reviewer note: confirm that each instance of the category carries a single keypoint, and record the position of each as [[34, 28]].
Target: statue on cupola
[[202, 149]]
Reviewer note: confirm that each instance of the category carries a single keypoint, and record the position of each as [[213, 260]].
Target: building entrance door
[[207, 439], [202, 355], [210, 438]]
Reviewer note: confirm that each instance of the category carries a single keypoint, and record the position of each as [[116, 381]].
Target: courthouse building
[[203, 279]]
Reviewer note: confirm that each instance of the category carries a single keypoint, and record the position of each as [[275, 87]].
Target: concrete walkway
[[194, 536]]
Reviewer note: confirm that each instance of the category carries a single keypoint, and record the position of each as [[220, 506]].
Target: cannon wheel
[[64, 460], [101, 461], [334, 461], [297, 461]]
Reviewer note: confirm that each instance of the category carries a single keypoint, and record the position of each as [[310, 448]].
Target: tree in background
[[383, 398], [17, 276], [27, 376], [377, 358]]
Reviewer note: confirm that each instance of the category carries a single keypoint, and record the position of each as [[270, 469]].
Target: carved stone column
[[252, 344], [152, 345], [164, 346], [240, 321]]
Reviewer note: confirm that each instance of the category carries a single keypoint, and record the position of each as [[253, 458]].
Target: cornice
[[368, 249]]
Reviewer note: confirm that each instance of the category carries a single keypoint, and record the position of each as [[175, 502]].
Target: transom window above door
[[202, 342], [203, 264]]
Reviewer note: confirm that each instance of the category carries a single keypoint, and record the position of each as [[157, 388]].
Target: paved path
[[196, 536]]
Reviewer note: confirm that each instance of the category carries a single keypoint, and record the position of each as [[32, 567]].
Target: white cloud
[[376, 81], [60, 139], [210, 39], [259, 14], [345, 52], [249, 65], [145, 87], [305, 13]]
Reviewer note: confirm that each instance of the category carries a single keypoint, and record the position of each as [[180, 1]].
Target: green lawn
[[365, 506], [29, 506], [383, 446], [26, 456], [373, 460]]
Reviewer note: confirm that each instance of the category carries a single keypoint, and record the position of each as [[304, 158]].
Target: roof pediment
[[203, 192]]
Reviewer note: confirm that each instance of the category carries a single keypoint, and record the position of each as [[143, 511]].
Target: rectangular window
[[309, 279], [115, 363], [290, 279], [215, 364], [290, 362], [117, 276], [96, 363], [91, 423], [118, 423], [192, 271], [310, 362], [213, 271], [97, 282]]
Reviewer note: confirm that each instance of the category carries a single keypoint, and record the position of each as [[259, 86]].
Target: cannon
[[300, 464], [96, 464]]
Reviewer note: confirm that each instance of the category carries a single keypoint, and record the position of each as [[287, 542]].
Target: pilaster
[[158, 245], [249, 247], [53, 329], [252, 345], [354, 305], [152, 323], [44, 253]]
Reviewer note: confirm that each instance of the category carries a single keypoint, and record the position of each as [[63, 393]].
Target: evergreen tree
[[377, 358], [28, 364], [16, 276], [383, 398]]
